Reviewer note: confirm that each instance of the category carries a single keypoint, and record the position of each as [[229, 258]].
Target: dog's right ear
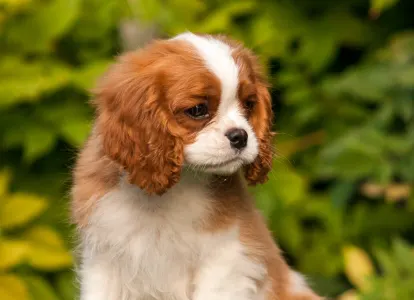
[[262, 122], [135, 127], [257, 172]]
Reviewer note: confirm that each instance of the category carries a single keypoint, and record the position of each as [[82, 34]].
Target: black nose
[[237, 137]]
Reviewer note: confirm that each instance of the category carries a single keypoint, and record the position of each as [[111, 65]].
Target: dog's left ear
[[261, 122], [138, 131]]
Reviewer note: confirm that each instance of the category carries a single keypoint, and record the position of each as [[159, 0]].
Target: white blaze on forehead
[[212, 147], [218, 59]]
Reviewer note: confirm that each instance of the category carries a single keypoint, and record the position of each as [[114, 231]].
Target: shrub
[[339, 199]]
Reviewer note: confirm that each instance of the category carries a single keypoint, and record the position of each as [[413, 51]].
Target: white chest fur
[[141, 248]]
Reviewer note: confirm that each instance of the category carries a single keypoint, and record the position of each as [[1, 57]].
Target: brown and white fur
[[159, 193]]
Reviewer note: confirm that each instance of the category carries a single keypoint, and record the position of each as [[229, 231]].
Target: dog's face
[[191, 101]]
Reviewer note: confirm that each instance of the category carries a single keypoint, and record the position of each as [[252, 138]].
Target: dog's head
[[196, 101]]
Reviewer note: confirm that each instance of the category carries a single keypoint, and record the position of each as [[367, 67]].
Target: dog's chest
[[161, 262], [158, 246]]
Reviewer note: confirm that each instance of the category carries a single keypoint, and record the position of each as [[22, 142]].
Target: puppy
[[159, 193]]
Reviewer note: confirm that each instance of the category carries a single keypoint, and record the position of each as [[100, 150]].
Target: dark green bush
[[339, 199]]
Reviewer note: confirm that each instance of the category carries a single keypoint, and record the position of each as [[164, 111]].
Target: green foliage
[[397, 268], [340, 192], [27, 246], [51, 54]]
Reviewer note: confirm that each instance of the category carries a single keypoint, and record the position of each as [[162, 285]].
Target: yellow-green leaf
[[21, 208], [47, 250], [12, 288], [378, 6], [4, 181], [49, 259], [349, 295], [290, 185], [13, 6], [12, 253], [358, 267], [45, 236], [40, 288]]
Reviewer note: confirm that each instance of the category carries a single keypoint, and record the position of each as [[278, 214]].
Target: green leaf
[[63, 111], [265, 200], [368, 83], [404, 104], [397, 273], [285, 184], [298, 93], [291, 186], [353, 163], [86, 77], [293, 240], [66, 285], [355, 155], [317, 48], [268, 37], [23, 82], [12, 288], [39, 288], [220, 19], [70, 118], [37, 142], [349, 29], [22, 90], [386, 262], [76, 131], [403, 255], [316, 257], [342, 192], [20, 208], [12, 253], [328, 285], [15, 134], [50, 20]]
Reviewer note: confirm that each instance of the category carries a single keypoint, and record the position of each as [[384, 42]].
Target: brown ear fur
[[262, 124], [135, 125]]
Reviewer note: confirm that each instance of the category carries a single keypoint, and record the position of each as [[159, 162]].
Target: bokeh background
[[340, 198]]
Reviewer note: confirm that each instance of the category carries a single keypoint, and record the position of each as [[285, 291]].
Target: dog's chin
[[225, 165], [225, 168]]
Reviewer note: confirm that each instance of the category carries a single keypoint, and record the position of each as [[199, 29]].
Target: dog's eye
[[250, 103], [199, 111]]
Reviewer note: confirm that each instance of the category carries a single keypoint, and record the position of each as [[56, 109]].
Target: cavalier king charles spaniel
[[160, 188]]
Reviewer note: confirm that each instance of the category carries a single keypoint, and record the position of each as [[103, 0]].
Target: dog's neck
[[199, 200], [190, 179]]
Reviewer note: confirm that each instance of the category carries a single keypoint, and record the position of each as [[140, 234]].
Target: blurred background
[[340, 198]]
